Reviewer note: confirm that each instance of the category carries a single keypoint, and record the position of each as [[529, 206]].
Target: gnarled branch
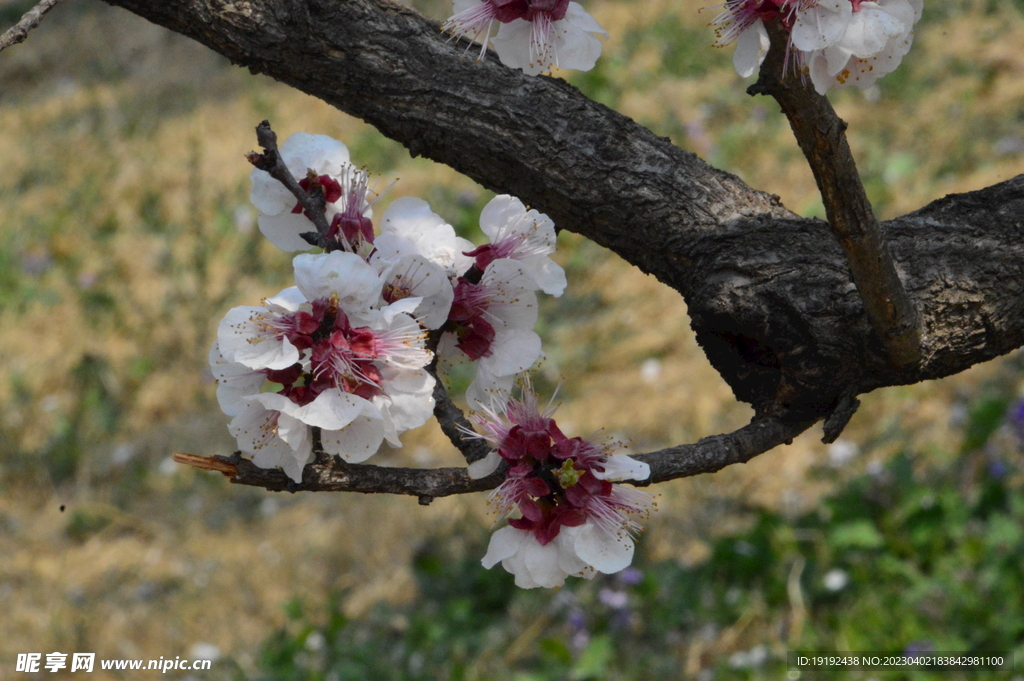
[[769, 294], [770, 298]]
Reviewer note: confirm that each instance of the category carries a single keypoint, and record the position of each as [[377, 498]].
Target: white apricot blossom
[[538, 44], [343, 365], [410, 227], [525, 236], [275, 431], [879, 35], [533, 35], [281, 219], [574, 520], [836, 42], [492, 324]]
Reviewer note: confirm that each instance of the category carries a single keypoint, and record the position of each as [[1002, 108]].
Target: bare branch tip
[[207, 463], [19, 32]]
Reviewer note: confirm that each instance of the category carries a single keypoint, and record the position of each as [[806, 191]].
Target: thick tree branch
[[17, 33], [331, 474], [822, 137]]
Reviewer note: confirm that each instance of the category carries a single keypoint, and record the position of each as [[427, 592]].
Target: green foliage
[[905, 557]]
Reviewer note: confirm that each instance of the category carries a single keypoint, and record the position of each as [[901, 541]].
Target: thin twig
[[821, 135], [453, 422], [331, 474], [17, 33], [313, 203]]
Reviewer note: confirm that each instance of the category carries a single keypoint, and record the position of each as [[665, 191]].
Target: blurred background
[[126, 234]]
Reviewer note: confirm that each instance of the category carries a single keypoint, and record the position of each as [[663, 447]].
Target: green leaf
[[859, 534], [594, 659]]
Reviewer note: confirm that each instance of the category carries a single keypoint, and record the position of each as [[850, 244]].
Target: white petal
[[424, 280], [284, 229], [751, 49], [548, 275], [410, 397], [409, 227], [357, 441], [513, 47], [488, 391], [235, 382], [821, 25], [870, 30], [320, 153], [568, 561], [294, 432], [290, 299], [817, 64], [481, 468], [268, 195], [497, 214], [542, 563], [622, 467], [340, 273], [256, 428], [577, 44], [513, 302], [510, 276], [332, 409], [514, 350], [606, 552], [504, 543], [241, 339], [580, 20]]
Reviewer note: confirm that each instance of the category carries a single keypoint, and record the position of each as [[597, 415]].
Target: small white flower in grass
[[534, 35], [836, 579], [574, 520], [525, 236]]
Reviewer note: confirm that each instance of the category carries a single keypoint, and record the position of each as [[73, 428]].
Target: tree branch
[[453, 422], [331, 474], [314, 203], [17, 33], [769, 294], [822, 137]]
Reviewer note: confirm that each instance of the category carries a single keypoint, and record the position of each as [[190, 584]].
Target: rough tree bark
[[770, 294]]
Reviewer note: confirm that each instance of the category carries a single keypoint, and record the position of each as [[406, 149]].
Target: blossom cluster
[[341, 359], [836, 42], [573, 519], [533, 35]]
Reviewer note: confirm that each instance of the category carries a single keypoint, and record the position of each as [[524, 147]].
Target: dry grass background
[[126, 234]]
